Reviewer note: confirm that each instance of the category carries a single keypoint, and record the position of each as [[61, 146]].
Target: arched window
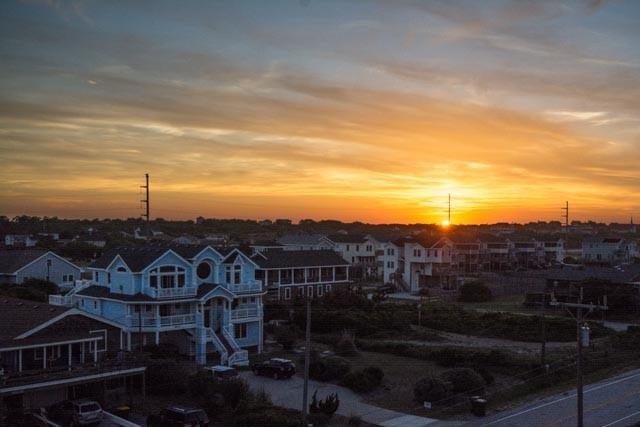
[[121, 269], [204, 270], [167, 277]]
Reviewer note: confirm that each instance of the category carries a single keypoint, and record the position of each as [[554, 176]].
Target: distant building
[[265, 222], [282, 221], [20, 240], [608, 250], [304, 242], [291, 274], [18, 265]]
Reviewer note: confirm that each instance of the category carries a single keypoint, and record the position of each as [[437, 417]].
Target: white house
[[204, 300], [608, 250], [17, 265]]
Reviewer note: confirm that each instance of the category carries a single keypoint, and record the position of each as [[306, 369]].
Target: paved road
[[288, 393], [613, 402]]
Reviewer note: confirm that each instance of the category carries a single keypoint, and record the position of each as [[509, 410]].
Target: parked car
[[223, 372], [179, 416], [275, 368], [79, 412]]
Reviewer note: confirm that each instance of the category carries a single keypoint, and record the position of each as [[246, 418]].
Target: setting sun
[[445, 223]]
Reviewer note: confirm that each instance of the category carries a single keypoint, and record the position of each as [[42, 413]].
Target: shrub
[[286, 336], [463, 380], [354, 421], [485, 374], [346, 345], [328, 368], [431, 390], [328, 406], [166, 377], [266, 415], [364, 380], [475, 292], [222, 392], [162, 351]]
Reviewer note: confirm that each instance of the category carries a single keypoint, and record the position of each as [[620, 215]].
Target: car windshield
[[89, 407]]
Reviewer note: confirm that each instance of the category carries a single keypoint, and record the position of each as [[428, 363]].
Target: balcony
[[135, 321], [61, 300], [251, 286], [245, 313], [164, 293]]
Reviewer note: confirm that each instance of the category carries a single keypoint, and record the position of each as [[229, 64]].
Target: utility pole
[[140, 327], [146, 202], [565, 215], [582, 336], [543, 332], [449, 217], [307, 354]]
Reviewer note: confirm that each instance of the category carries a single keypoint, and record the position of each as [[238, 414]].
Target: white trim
[[10, 390], [241, 254], [45, 254], [69, 312], [204, 249], [114, 260], [146, 269], [104, 338], [47, 344]]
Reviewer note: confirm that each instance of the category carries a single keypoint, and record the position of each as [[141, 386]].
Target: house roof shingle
[[347, 238], [96, 291], [294, 259], [13, 260], [18, 316]]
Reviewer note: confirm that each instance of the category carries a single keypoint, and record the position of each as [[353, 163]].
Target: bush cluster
[[475, 292], [364, 380], [463, 380], [328, 368]]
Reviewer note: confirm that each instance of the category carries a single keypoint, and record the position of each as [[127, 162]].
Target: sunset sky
[[351, 110]]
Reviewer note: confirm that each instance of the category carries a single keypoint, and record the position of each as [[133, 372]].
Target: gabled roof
[[300, 239], [18, 316], [297, 259], [138, 258], [13, 260], [347, 238]]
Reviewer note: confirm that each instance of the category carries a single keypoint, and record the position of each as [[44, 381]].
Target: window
[[102, 344], [121, 269], [310, 291], [167, 277], [357, 248], [319, 290], [109, 278], [204, 270], [95, 304], [240, 330], [96, 276], [347, 248], [287, 293], [327, 288], [237, 271], [301, 291], [435, 252], [71, 277]]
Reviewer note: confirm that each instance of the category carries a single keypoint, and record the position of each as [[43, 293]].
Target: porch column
[[157, 337], [20, 360], [128, 341], [334, 274], [279, 276], [95, 352], [44, 357], [69, 355], [82, 352], [305, 274]]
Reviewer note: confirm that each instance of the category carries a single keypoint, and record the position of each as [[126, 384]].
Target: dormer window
[[121, 269]]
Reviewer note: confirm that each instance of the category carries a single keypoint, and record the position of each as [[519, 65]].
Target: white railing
[[162, 321], [174, 292], [179, 319], [251, 286], [230, 339], [61, 300], [240, 357], [210, 335], [243, 313]]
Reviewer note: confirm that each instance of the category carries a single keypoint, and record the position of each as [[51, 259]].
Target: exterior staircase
[[230, 352]]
